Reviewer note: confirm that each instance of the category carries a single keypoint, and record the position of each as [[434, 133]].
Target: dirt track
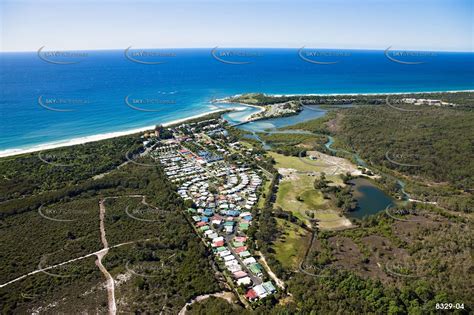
[[110, 281], [228, 296]]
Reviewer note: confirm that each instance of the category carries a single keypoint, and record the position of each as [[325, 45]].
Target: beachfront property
[[223, 196], [429, 102]]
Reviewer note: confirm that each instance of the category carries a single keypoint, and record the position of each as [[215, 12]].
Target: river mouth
[[370, 198], [270, 124]]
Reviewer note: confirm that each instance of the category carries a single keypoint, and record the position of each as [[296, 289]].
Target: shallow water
[[370, 199], [272, 124], [92, 96]]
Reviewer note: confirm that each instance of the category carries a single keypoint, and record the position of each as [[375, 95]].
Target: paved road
[[256, 280]]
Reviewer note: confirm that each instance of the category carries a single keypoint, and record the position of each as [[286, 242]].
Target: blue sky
[[27, 25]]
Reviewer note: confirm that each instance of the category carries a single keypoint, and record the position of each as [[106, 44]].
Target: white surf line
[[98, 262], [99, 137]]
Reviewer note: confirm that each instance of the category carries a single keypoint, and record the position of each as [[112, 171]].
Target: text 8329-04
[[449, 306]]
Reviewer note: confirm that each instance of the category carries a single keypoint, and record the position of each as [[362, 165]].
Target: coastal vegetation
[[427, 148], [49, 226], [290, 245], [55, 169], [269, 108], [405, 262], [401, 263], [460, 99]]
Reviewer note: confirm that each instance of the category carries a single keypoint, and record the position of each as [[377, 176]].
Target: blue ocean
[[55, 97]]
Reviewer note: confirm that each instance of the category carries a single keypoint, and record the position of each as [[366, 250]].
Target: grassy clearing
[[283, 161], [290, 247], [331, 219], [298, 196], [266, 187], [313, 199], [246, 144], [288, 193]]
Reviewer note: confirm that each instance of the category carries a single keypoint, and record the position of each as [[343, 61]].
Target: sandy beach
[[260, 109], [98, 137], [358, 94], [109, 135], [351, 94], [226, 100]]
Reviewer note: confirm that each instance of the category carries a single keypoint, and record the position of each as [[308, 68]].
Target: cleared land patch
[[296, 193], [291, 245]]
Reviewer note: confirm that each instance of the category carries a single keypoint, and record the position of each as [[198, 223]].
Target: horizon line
[[228, 47]]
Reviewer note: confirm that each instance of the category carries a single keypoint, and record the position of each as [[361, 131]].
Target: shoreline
[[247, 118], [350, 94], [102, 136], [115, 134]]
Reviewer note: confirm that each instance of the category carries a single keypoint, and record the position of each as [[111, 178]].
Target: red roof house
[[251, 294], [218, 244], [239, 274], [240, 249]]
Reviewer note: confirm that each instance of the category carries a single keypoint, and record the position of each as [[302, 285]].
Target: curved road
[[223, 295]]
